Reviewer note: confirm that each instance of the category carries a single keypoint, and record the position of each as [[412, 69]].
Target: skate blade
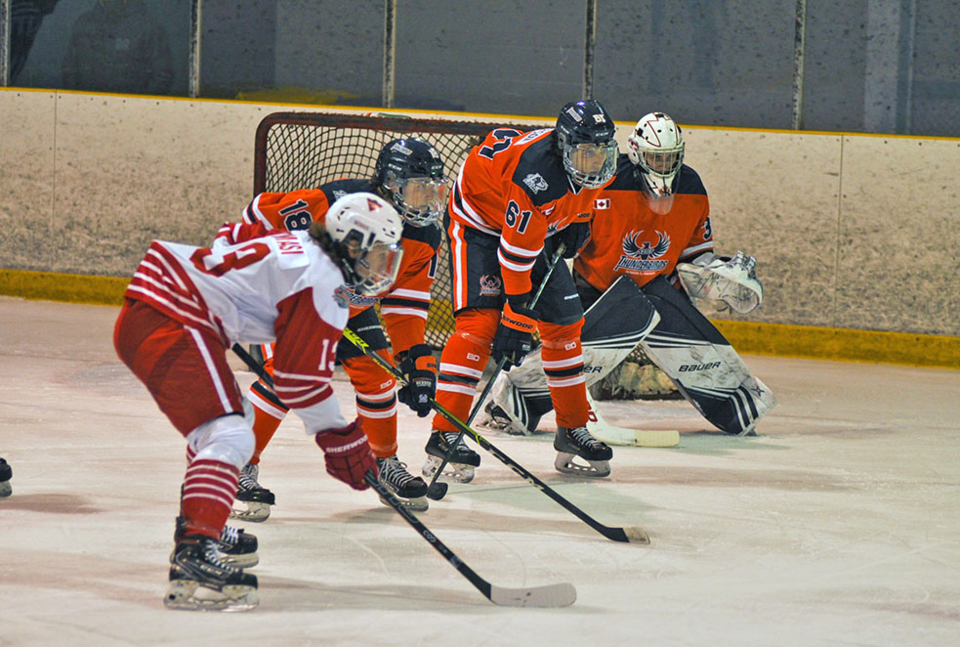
[[566, 464], [248, 560], [186, 595], [457, 472], [255, 512], [417, 504]]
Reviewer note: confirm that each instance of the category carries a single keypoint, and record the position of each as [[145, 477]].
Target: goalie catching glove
[[347, 454], [514, 338], [732, 281], [419, 368]]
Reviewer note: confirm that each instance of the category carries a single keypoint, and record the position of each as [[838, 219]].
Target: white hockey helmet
[[366, 231], [656, 148]]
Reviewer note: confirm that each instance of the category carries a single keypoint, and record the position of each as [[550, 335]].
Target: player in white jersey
[[186, 306]]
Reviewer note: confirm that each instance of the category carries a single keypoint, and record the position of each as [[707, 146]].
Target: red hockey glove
[[347, 454]]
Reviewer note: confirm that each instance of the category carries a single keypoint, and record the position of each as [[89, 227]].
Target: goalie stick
[[549, 596], [634, 534], [435, 490]]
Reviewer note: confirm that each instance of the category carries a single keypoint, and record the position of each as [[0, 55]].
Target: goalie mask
[[585, 137], [656, 148], [364, 231], [410, 172]]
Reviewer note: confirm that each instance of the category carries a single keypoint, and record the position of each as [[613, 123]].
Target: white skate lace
[[394, 471], [583, 438], [450, 437], [248, 477], [212, 555], [230, 536]]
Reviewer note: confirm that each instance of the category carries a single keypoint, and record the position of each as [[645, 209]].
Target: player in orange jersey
[[409, 172], [517, 196], [658, 234]]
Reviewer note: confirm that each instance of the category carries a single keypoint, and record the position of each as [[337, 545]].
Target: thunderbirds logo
[[641, 257]]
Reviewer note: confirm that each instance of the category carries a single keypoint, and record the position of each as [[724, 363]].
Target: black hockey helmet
[[410, 172], [585, 137]]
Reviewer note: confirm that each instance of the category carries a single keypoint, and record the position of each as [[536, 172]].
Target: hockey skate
[[237, 547], [201, 581], [498, 414], [5, 475], [578, 443], [461, 465], [409, 489], [256, 499]]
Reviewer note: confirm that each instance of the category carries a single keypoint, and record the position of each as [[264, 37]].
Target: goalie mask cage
[[302, 150]]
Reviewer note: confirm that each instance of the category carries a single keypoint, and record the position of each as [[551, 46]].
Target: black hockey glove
[[514, 338], [419, 368], [574, 236]]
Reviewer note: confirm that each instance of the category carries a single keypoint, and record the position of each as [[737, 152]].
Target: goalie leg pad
[[706, 369]]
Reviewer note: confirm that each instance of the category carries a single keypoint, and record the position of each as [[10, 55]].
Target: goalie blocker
[[674, 335]]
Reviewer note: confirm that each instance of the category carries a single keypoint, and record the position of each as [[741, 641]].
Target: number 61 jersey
[[267, 287]]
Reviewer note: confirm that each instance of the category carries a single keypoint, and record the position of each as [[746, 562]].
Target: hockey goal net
[[298, 150]]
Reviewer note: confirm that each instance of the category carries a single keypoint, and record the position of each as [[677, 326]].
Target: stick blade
[[636, 535], [635, 437], [551, 596]]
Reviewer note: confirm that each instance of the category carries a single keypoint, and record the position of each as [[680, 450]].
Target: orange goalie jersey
[[514, 186], [628, 237], [405, 305]]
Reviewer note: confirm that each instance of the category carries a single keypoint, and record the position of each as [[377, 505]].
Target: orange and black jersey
[[628, 237], [513, 186], [405, 304]]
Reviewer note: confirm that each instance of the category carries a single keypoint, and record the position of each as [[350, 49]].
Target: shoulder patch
[[339, 188], [540, 173]]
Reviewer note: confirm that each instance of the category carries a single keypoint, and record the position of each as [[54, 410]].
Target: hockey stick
[[634, 534], [437, 491], [548, 596]]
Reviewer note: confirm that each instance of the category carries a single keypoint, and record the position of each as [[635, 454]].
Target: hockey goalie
[[649, 262]]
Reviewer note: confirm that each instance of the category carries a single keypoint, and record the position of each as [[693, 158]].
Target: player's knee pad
[[367, 376], [227, 439], [477, 325]]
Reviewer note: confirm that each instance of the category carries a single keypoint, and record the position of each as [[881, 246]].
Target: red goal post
[[301, 150]]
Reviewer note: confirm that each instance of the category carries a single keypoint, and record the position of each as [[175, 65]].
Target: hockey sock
[[563, 365], [462, 363], [376, 403], [268, 414], [208, 490]]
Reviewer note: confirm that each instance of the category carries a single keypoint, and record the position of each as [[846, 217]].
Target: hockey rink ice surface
[[839, 524]]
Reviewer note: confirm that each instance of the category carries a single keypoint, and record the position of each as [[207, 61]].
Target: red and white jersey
[[270, 287], [628, 237], [405, 305], [513, 185]]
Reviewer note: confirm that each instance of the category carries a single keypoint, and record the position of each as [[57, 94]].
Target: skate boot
[[5, 475], [201, 581], [409, 489], [237, 547], [255, 499], [462, 463], [578, 442]]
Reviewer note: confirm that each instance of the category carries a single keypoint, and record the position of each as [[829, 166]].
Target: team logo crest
[[490, 285], [642, 256], [536, 182]]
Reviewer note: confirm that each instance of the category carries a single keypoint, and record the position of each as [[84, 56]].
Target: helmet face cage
[[656, 147], [585, 135], [367, 231], [410, 171]]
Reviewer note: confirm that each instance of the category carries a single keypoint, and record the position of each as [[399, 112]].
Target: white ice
[[838, 525]]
